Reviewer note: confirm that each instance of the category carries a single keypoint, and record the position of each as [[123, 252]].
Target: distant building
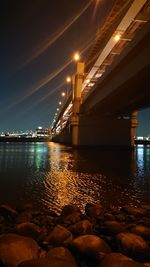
[[41, 132]]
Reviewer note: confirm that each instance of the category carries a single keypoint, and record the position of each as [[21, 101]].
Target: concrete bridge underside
[[106, 116]]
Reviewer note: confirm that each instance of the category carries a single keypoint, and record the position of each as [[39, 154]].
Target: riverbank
[[96, 238], [24, 139]]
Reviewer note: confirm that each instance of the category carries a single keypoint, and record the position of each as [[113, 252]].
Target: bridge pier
[[76, 99], [107, 131]]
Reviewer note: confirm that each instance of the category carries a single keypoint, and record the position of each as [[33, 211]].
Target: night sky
[[38, 39]]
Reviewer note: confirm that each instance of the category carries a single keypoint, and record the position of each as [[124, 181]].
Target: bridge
[[110, 87]]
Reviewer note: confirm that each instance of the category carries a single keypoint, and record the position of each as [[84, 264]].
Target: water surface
[[51, 175]]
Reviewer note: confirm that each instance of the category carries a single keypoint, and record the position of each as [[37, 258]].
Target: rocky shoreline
[[97, 238]]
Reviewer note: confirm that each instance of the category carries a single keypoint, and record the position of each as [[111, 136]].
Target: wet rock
[[118, 260], [62, 254], [120, 217], [90, 245], [130, 218], [93, 210], [8, 212], [109, 217], [142, 231], [69, 209], [81, 228], [134, 211], [133, 246], [23, 217], [2, 219], [15, 249], [113, 227], [57, 257], [59, 236], [146, 207], [28, 229], [72, 218]]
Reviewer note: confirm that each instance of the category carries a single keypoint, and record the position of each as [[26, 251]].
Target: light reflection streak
[[56, 35]]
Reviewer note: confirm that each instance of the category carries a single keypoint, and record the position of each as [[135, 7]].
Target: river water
[[51, 175]]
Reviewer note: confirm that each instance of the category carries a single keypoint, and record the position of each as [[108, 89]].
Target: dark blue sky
[[38, 38]]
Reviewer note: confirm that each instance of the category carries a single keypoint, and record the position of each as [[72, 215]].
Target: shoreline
[[98, 237], [24, 139]]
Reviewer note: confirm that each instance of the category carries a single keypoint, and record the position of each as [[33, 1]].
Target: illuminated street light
[[57, 109], [117, 37], [60, 103], [68, 79], [63, 94], [76, 57]]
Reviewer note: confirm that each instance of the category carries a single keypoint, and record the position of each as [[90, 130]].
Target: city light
[[57, 109], [60, 103], [76, 57]]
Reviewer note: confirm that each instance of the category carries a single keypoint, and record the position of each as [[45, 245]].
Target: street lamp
[[117, 37], [60, 103], [68, 79], [63, 94], [76, 56]]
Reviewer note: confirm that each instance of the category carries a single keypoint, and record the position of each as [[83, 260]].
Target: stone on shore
[[81, 228], [57, 257], [138, 212], [59, 236], [133, 246], [28, 229], [90, 245], [69, 209], [8, 212], [113, 227], [142, 231], [15, 249], [93, 210], [118, 260], [23, 217]]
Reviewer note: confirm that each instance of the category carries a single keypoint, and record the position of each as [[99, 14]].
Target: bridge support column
[[107, 131], [76, 103], [134, 124]]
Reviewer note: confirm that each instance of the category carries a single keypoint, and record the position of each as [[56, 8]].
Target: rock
[[120, 217], [62, 254], [15, 249], [134, 211], [109, 217], [146, 207], [59, 236], [90, 245], [133, 246], [93, 210], [69, 209], [118, 260], [142, 231], [57, 257], [8, 212], [28, 229], [2, 219], [81, 228], [23, 217], [72, 218], [113, 227]]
